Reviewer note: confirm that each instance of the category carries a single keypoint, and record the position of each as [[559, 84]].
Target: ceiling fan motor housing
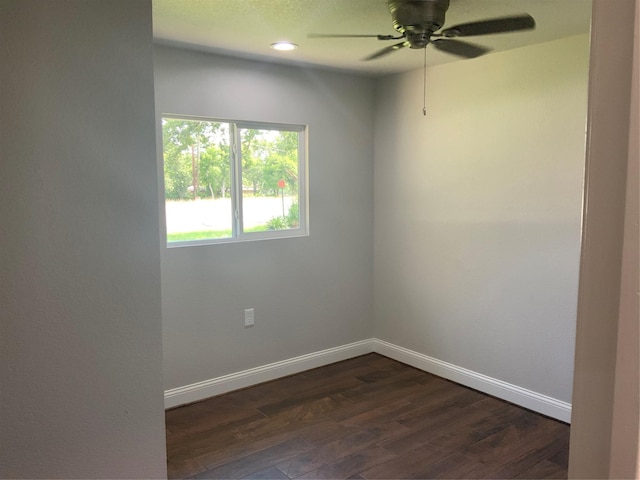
[[418, 19]]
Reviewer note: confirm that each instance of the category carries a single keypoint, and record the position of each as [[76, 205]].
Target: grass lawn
[[208, 234]]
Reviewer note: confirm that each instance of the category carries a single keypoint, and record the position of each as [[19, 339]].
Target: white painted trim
[[234, 381], [512, 393]]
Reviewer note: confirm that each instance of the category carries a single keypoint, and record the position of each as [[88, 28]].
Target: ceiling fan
[[418, 23]]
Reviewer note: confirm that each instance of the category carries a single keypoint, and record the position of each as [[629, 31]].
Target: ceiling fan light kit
[[418, 23], [418, 19]]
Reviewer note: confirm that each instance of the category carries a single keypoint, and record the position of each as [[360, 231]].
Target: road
[[208, 214]]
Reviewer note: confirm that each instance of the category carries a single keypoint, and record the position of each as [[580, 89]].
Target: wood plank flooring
[[365, 418]]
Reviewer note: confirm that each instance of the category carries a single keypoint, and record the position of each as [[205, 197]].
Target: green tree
[[267, 157], [177, 174], [251, 163], [215, 170], [287, 144], [282, 163], [280, 167], [184, 142]]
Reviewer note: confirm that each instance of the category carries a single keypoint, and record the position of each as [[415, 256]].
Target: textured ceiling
[[247, 28]]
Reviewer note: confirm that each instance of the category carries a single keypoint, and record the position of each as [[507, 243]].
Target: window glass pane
[[197, 179], [270, 183]]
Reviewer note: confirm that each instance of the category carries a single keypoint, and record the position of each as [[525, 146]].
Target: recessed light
[[284, 46]]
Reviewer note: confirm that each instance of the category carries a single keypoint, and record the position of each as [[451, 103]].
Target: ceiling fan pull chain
[[424, 85]]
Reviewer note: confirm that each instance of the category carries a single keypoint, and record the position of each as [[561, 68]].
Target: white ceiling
[[246, 28]]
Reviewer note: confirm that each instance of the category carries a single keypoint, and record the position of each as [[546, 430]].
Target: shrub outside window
[[230, 181]]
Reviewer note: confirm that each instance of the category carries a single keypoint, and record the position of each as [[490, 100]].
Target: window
[[230, 181]]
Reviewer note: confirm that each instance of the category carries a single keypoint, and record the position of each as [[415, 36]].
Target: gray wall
[[608, 298], [80, 330], [80, 337], [309, 293], [477, 212], [625, 427]]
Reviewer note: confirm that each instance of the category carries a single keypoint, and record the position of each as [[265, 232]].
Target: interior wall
[[478, 211], [601, 354], [309, 293], [625, 431], [80, 335]]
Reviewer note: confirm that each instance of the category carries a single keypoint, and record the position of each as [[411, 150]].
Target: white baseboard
[[253, 376], [512, 393]]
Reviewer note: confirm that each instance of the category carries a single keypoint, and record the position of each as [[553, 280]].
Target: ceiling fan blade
[[347, 35], [456, 47], [386, 51], [496, 25]]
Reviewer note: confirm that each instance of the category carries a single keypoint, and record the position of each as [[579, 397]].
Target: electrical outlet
[[249, 318]]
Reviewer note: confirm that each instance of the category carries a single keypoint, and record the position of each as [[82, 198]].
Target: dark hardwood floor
[[365, 418]]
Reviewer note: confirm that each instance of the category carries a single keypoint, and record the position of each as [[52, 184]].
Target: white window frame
[[237, 234]]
